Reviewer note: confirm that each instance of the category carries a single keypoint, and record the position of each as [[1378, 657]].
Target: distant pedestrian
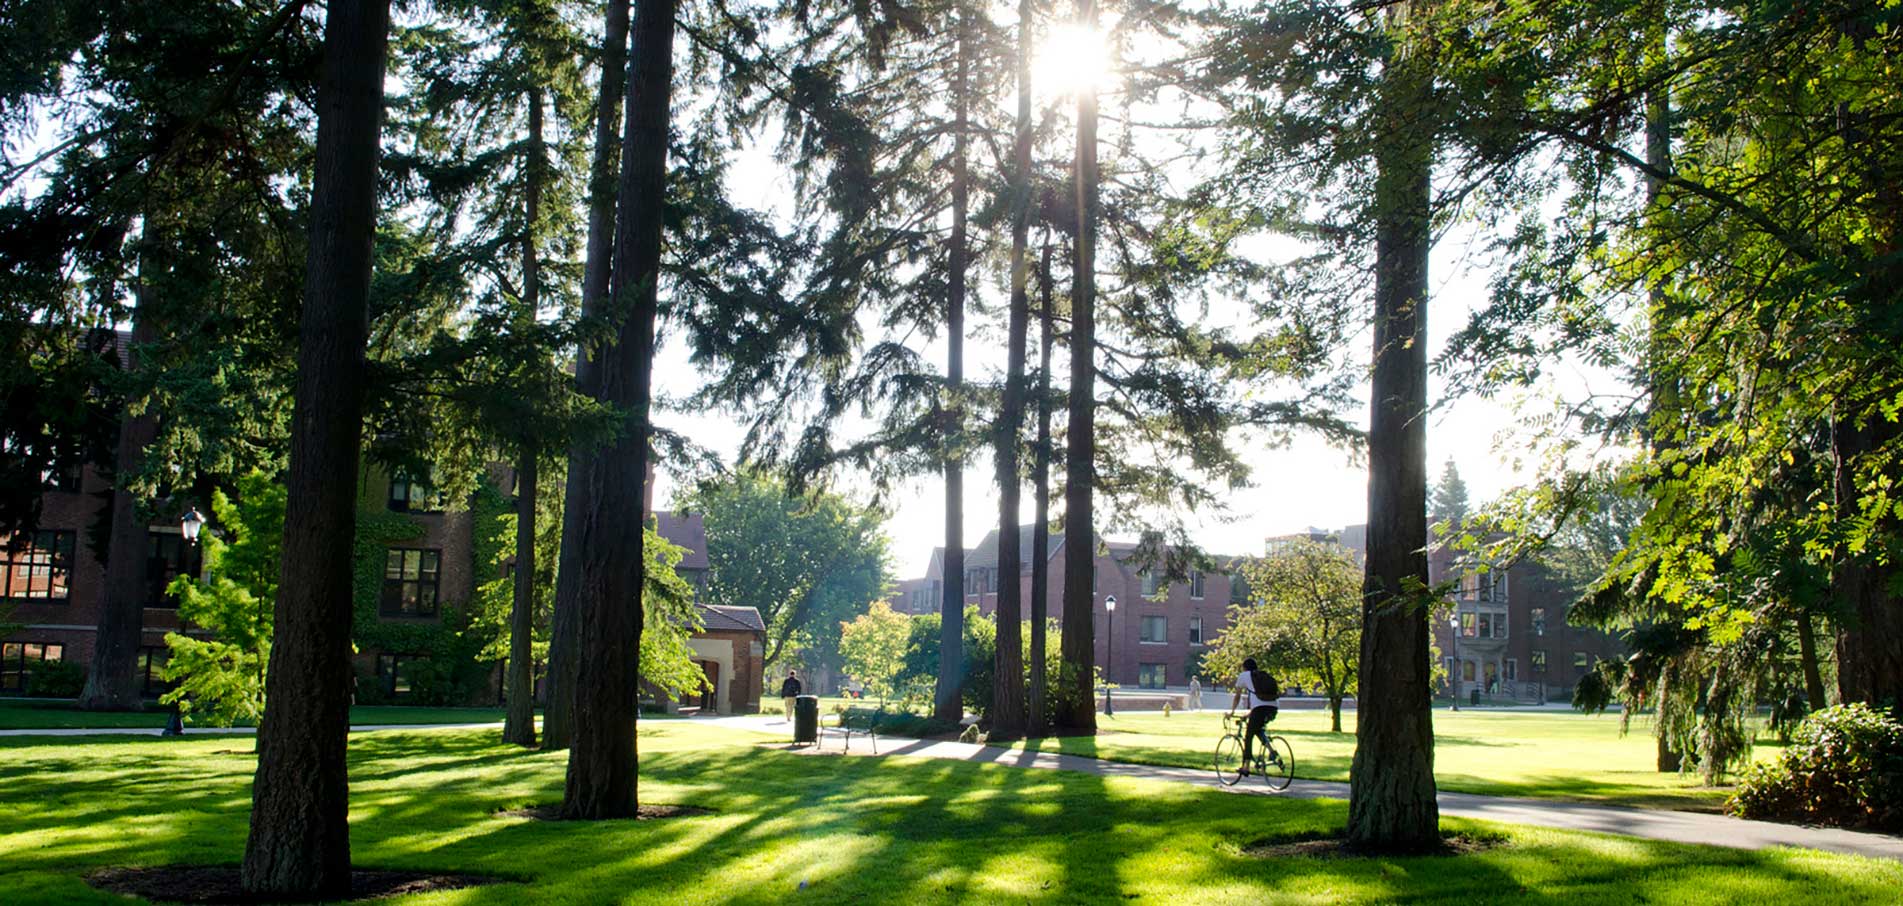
[[1195, 694], [790, 691]]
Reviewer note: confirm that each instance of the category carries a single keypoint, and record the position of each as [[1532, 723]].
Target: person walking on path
[[790, 691], [1195, 694]]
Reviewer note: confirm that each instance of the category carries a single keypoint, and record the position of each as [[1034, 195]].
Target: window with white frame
[[1154, 630]]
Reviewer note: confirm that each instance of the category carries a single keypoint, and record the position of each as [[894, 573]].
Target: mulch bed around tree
[[642, 813], [1333, 846], [222, 884]]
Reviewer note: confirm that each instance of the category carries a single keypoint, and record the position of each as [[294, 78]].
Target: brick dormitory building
[[54, 581], [1514, 645]]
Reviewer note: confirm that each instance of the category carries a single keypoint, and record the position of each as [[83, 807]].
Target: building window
[[18, 660], [1195, 630], [393, 673], [1447, 665], [1486, 625], [1539, 660], [1155, 631], [1466, 671], [411, 495], [167, 555], [1495, 588], [37, 566], [1238, 589], [1513, 670], [1538, 616], [1581, 660], [1469, 586], [410, 578], [1196, 585], [1467, 625], [1152, 676], [1149, 583], [1500, 625], [152, 660]]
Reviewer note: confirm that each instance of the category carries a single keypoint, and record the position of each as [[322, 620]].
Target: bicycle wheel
[[1280, 768], [1229, 760]]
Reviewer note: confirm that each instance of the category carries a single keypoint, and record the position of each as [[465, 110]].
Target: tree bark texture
[[1040, 715], [557, 727], [299, 845], [1870, 617], [1391, 804], [112, 681], [1076, 709], [949, 702], [1007, 699], [602, 769]]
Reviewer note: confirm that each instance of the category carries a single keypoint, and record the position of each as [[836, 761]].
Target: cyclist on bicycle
[[1262, 692]]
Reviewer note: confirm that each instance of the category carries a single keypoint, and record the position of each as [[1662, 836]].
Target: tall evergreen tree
[[299, 844], [603, 172], [602, 771], [1391, 804], [948, 700], [1075, 707], [1008, 718]]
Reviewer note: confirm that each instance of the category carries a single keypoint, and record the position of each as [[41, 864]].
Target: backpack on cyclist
[[1265, 687]]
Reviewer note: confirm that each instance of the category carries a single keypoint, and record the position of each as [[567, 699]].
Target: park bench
[[862, 722]]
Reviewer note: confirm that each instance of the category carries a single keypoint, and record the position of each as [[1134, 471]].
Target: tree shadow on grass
[[870, 829]]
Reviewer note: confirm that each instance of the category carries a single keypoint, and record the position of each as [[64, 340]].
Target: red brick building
[[1155, 637], [55, 582]]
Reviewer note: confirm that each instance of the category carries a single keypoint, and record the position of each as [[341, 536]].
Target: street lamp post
[[1110, 651], [189, 526], [1453, 624]]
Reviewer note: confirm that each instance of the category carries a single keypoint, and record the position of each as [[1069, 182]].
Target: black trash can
[[806, 720], [1475, 697]]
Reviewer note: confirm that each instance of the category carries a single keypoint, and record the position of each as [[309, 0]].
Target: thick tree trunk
[[1870, 617], [557, 727], [300, 832], [519, 725], [112, 681], [602, 770], [1391, 804], [1076, 704], [1007, 700], [1807, 661], [948, 703], [1040, 714], [1334, 713]]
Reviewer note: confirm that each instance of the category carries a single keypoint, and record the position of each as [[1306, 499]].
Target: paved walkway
[[228, 731], [1651, 824]]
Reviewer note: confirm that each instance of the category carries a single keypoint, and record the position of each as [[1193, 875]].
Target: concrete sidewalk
[[231, 731], [1651, 824]]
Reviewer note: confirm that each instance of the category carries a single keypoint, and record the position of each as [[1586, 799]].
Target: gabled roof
[[732, 619], [986, 553]]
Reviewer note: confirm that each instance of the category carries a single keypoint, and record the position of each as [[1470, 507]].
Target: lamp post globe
[[190, 524]]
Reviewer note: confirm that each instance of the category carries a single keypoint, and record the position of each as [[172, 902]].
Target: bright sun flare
[[1071, 59]]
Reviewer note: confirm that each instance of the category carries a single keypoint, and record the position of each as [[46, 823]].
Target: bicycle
[[1276, 766]]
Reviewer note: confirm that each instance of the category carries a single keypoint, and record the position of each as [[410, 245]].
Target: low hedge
[[1844, 768]]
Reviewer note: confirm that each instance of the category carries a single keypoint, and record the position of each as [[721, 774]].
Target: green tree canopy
[[808, 561], [1306, 627]]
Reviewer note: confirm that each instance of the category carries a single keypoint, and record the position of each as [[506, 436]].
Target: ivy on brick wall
[[445, 666]]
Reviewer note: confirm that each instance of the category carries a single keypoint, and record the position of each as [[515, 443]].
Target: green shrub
[[56, 679], [1844, 768]]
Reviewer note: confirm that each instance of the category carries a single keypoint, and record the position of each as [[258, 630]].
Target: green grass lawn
[[50, 714], [1547, 755], [858, 829]]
